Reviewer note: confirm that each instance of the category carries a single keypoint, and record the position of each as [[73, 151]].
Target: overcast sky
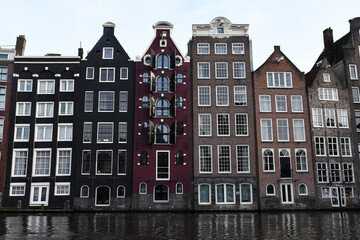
[[58, 26]]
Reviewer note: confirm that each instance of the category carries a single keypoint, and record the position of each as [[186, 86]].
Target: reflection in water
[[269, 225]]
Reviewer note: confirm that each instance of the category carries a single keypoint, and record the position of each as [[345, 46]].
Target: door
[[285, 164], [39, 194], [342, 197], [334, 196]]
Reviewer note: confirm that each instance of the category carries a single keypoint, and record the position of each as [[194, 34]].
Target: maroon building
[[162, 139]]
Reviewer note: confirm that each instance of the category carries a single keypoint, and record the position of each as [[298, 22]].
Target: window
[[285, 163], [45, 109], [39, 194], [162, 61], [87, 135], [357, 120], [145, 102], [179, 158], [342, 118], [42, 161], [241, 124], [223, 125], [123, 73], [299, 130], [3, 73], [120, 192], [335, 172], [245, 193], [220, 48], [23, 109], [144, 128], [22, 132], [65, 132], [122, 156], [353, 71], [240, 98], [265, 103], [2, 98], [238, 48], [108, 53], [203, 48], [106, 101], [162, 84], [161, 193], [105, 132], [89, 73], [122, 132], [204, 194], [19, 163], [145, 77], [330, 118], [63, 166], [102, 196], [243, 158], [205, 124], [266, 130], [330, 94], [268, 160], [281, 103], [43, 132], [225, 193], [320, 146], [317, 117], [24, 85], [355, 94], [301, 160], [322, 172], [142, 188], [66, 108], [348, 172], [221, 70], [222, 96], [220, 30], [46, 87], [333, 146], [62, 189], [17, 189], [296, 103], [282, 130], [144, 158], [270, 190], [123, 106], [204, 96], [103, 162], [345, 146], [179, 78], [66, 85], [84, 191], [224, 158], [205, 159], [279, 80], [349, 192], [162, 165], [326, 77], [179, 102], [1, 128], [203, 70], [180, 128], [303, 189], [286, 193], [162, 134], [86, 159], [89, 101], [107, 75], [239, 70], [162, 108]]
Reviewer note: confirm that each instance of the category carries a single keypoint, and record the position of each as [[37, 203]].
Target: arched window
[[143, 158], [120, 192], [162, 84], [179, 102], [179, 188], [303, 189], [179, 78], [161, 193], [301, 160], [179, 128], [180, 158], [270, 189], [285, 164], [142, 188], [162, 61], [145, 102], [144, 128], [162, 107], [84, 191], [162, 134], [268, 160], [102, 196], [145, 78]]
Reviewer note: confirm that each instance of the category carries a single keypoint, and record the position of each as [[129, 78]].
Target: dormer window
[[326, 77], [220, 30], [108, 53], [162, 61]]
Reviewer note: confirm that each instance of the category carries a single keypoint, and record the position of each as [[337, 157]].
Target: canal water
[[284, 225]]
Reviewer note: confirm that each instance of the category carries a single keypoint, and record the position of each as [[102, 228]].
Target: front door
[[334, 196], [39, 194]]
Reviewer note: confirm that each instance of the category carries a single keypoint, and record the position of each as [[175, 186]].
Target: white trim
[[41, 185], [127, 73], [140, 188], [107, 74], [197, 48], [273, 160], [287, 193], [217, 125], [47, 90], [211, 161], [237, 156], [218, 158], [266, 190], [168, 194], [67, 103], [117, 191], [13, 161], [225, 194], [272, 130], [203, 105], [57, 184], [287, 129], [112, 132], [251, 194], [224, 43], [306, 189], [86, 73], [199, 132], [45, 126], [17, 185], [34, 161], [23, 126], [57, 161], [96, 192], [307, 159], [247, 124], [99, 100], [88, 193], [67, 85], [46, 114], [182, 188], [67, 126], [104, 51], [24, 80], [126, 158], [199, 193], [111, 164], [162, 179]]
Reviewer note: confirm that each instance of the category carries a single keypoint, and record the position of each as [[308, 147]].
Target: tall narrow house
[[224, 150], [286, 176], [104, 126], [162, 143]]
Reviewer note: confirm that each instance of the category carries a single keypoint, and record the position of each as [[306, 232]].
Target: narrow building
[[224, 153], [104, 126], [162, 132], [286, 176]]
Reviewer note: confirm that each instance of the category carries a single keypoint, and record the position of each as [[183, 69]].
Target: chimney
[[277, 48], [109, 28], [328, 44], [354, 24], [20, 45], [80, 53]]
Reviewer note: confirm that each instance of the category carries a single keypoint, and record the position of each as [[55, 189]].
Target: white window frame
[[67, 81], [12, 185], [67, 127], [200, 124], [306, 188], [328, 94], [140, 188], [25, 81], [241, 69], [266, 190], [296, 138], [330, 113], [220, 68], [125, 71], [229, 158], [225, 194], [271, 128], [104, 52], [272, 84], [241, 48], [47, 91], [46, 114], [107, 74], [124, 124], [217, 46], [112, 132], [207, 69], [87, 73], [353, 72], [92, 101], [238, 125], [278, 102], [205, 95], [345, 143], [320, 144], [57, 162], [169, 169], [316, 116], [293, 104], [21, 126], [240, 158], [240, 92], [251, 194], [100, 100], [307, 164], [62, 184], [40, 185], [117, 191], [326, 77], [37, 126], [202, 46], [333, 144], [211, 159], [69, 108], [199, 193], [34, 162], [343, 118], [287, 129], [111, 164], [13, 162], [287, 201], [127, 101], [264, 101], [273, 160], [2, 98], [221, 124], [356, 99], [227, 95]]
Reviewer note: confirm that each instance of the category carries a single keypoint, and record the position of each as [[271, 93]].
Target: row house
[[225, 172], [285, 174], [162, 133]]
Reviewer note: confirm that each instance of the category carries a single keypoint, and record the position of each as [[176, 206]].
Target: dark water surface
[[284, 225]]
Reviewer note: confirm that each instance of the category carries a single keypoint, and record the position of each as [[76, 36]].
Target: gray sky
[[58, 26]]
